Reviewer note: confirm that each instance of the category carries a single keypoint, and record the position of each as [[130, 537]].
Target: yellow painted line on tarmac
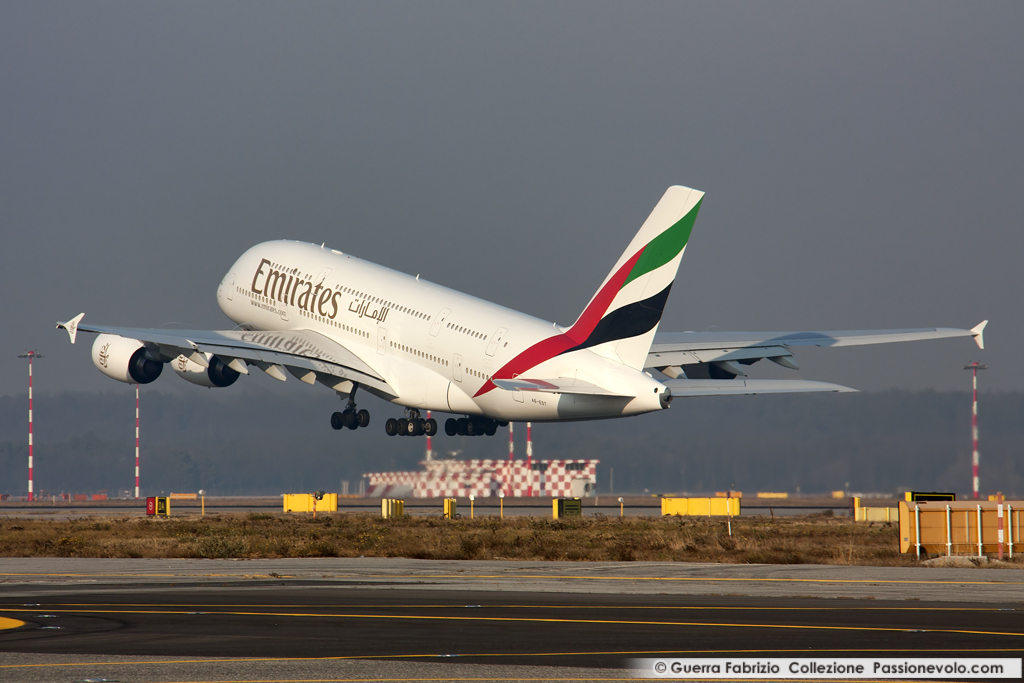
[[535, 620], [697, 579], [460, 605], [6, 623]]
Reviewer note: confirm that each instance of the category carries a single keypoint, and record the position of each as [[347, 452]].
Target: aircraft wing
[[307, 355], [730, 350], [736, 387], [560, 385]]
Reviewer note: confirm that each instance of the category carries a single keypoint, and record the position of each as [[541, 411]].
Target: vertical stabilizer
[[622, 317]]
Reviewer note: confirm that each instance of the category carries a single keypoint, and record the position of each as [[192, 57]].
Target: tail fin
[[622, 317]]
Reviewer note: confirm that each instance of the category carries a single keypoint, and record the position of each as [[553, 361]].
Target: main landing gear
[[350, 417], [412, 425], [472, 426]]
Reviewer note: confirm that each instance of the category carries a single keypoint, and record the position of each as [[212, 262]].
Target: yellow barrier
[[874, 514], [763, 494], [958, 528], [391, 507], [701, 507], [303, 502], [866, 514], [184, 496], [728, 494], [450, 508]]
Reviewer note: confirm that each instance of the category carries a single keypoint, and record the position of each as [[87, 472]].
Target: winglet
[[71, 326], [978, 332]]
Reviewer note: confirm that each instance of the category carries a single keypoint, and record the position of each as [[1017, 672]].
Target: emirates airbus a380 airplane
[[329, 317]]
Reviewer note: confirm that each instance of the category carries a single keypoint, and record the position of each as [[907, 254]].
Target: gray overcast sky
[[862, 163]]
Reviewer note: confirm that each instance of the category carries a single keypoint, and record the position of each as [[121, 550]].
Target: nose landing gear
[[413, 425]]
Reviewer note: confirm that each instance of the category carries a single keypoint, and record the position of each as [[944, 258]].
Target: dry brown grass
[[817, 539]]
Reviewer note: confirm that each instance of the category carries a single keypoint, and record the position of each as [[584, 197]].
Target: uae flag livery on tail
[[622, 317]]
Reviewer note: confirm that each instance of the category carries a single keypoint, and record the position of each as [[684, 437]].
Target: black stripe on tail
[[631, 320]]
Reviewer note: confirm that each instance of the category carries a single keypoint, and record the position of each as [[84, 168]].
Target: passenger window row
[[466, 330], [419, 354]]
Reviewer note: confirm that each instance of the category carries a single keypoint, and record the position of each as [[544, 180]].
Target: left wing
[[307, 355], [721, 355]]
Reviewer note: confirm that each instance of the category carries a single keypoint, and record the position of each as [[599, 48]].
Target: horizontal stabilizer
[[736, 387], [561, 385]]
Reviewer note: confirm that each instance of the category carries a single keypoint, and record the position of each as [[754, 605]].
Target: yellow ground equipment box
[[965, 528], [391, 507], [566, 507], [874, 514], [450, 508], [701, 507], [303, 502]]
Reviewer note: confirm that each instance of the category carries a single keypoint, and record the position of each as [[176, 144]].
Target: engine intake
[[217, 374], [124, 359]]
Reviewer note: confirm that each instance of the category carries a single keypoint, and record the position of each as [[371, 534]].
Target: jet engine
[[124, 359], [217, 374]]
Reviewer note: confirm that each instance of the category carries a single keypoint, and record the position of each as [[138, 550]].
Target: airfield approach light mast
[[430, 450], [136, 441], [529, 457], [974, 367], [511, 446], [30, 355]]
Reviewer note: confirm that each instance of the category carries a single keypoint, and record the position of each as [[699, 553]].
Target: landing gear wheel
[[463, 426], [364, 418], [451, 426], [391, 426], [430, 427], [411, 427], [472, 428], [492, 428], [403, 426], [337, 421]]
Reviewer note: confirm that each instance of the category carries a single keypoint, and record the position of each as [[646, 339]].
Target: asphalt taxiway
[[371, 618]]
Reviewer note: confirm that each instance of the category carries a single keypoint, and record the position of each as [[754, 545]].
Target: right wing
[[736, 387], [307, 355], [727, 352]]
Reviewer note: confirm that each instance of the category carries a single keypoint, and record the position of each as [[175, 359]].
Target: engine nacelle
[[218, 374], [124, 359]]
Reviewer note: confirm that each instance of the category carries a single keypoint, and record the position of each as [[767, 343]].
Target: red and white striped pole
[[529, 456], [974, 367], [30, 355], [136, 441], [511, 446], [430, 450]]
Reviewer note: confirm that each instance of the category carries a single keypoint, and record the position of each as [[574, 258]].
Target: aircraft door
[[457, 367], [496, 338], [382, 340], [439, 319]]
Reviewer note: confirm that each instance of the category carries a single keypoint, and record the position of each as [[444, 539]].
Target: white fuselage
[[436, 347]]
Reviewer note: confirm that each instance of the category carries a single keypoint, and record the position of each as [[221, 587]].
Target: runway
[[155, 620]]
